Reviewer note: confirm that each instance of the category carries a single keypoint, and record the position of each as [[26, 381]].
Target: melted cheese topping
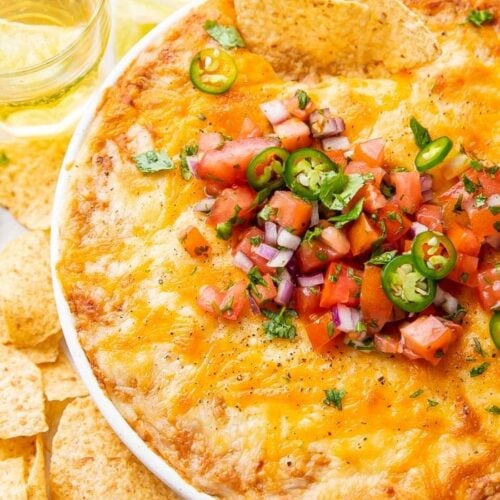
[[233, 412]]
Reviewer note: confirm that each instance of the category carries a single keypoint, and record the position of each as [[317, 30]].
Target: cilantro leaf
[[479, 17], [338, 189], [313, 234], [495, 209], [353, 214], [479, 370], [420, 133], [431, 403], [228, 36], [417, 393], [188, 150], [279, 325], [383, 258], [334, 397], [469, 185], [494, 409], [153, 161], [478, 347], [303, 99], [4, 159]]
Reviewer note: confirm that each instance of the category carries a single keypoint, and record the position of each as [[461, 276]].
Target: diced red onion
[[288, 240], [253, 304], [285, 292], [282, 259], [418, 228], [345, 318], [193, 163], [266, 251], [493, 241], [315, 214], [285, 275], [336, 143], [204, 205], [427, 196], [270, 233], [275, 111], [446, 301], [493, 200], [241, 261], [425, 182], [323, 125], [308, 281]]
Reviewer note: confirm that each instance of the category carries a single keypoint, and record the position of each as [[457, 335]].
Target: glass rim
[[61, 55]]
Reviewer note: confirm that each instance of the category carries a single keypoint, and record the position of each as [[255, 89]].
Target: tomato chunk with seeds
[[290, 212], [342, 286], [431, 216]]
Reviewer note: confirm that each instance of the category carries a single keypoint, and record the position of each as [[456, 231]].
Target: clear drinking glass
[[51, 59]]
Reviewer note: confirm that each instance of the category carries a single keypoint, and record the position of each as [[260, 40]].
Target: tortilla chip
[[45, 352], [27, 181], [26, 299], [13, 485], [89, 461], [17, 447], [21, 396], [37, 484], [60, 381], [344, 37]]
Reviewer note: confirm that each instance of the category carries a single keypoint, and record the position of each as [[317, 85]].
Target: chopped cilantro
[[4, 159], [479, 370], [280, 325], [353, 214], [338, 189], [476, 165], [383, 258], [255, 241], [313, 234], [420, 133], [330, 329], [431, 403], [470, 186], [266, 212], [387, 190], [464, 277], [334, 397], [495, 210], [496, 225], [480, 200], [188, 150], [303, 99], [228, 36], [494, 409], [479, 17], [478, 347], [224, 230], [417, 393], [228, 306], [153, 161]]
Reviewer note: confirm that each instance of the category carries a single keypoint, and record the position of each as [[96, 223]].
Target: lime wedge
[[24, 45]]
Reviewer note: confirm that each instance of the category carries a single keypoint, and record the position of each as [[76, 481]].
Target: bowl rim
[[157, 465]]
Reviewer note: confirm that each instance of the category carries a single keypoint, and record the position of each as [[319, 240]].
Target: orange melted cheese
[[235, 413]]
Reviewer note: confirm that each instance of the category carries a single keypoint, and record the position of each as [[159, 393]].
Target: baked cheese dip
[[290, 288]]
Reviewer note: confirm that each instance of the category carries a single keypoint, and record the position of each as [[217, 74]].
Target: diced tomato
[[292, 105], [489, 288], [371, 152], [225, 206], [314, 256], [408, 190], [266, 292], [209, 141], [490, 183], [194, 242], [228, 305], [360, 167], [374, 199], [483, 222], [464, 240], [294, 134], [386, 343], [427, 335], [228, 164], [249, 129], [291, 212], [342, 286], [321, 331], [396, 224], [213, 188], [465, 270], [375, 306], [245, 246], [336, 240], [362, 235], [431, 216], [338, 157], [307, 300]]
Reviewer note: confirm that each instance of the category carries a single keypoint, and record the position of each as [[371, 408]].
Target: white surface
[[129, 437], [10, 229]]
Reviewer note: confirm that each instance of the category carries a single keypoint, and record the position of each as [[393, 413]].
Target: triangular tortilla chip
[[37, 484], [60, 380]]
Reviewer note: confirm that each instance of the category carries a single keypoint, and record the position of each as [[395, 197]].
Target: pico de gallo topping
[[363, 252]]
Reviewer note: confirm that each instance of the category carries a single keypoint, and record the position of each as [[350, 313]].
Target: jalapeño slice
[[267, 168], [433, 153], [213, 71], [434, 254], [304, 171], [495, 329], [405, 286]]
